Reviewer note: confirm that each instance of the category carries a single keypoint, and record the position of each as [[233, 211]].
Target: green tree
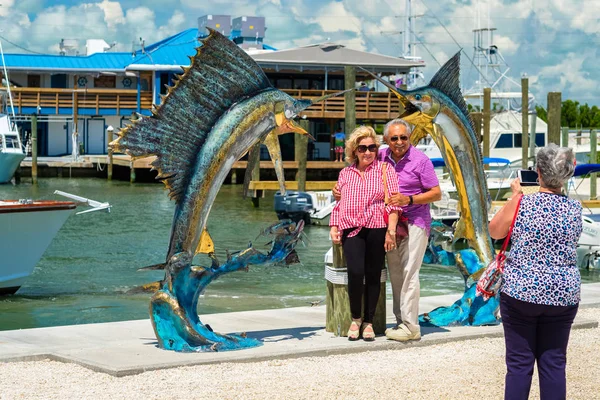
[[569, 114], [541, 113]]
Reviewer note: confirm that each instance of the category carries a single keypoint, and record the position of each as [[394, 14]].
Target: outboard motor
[[293, 205]]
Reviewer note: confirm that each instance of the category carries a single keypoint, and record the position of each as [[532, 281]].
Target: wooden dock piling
[[301, 154], [554, 106], [565, 143], [349, 99], [34, 166], [337, 314], [487, 115], [109, 171]]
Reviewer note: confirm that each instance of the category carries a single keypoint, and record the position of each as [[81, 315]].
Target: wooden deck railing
[[369, 105], [97, 99]]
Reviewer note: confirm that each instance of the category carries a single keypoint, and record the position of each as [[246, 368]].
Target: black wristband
[[410, 202]]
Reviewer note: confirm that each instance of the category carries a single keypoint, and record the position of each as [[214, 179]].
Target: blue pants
[[535, 332]]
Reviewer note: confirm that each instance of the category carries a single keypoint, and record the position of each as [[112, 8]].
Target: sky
[[555, 43]]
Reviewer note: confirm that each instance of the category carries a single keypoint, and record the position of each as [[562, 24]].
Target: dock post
[[131, 172], [554, 109], [532, 136], [524, 122], [565, 143], [34, 167], [109, 170], [337, 313], [255, 153], [487, 115], [349, 99], [593, 160], [301, 147]]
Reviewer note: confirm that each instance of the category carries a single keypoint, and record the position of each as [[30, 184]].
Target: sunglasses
[[362, 148], [395, 138]]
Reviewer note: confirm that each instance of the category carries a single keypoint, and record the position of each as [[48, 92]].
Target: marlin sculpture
[[439, 110], [220, 107]]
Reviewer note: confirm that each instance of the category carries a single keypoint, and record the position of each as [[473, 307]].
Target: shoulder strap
[[512, 224], [385, 189]]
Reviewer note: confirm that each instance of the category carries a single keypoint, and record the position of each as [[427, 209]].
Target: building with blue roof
[[76, 98]]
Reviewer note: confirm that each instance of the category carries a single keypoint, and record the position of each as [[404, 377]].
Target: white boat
[[312, 207], [11, 148], [11, 151], [28, 227]]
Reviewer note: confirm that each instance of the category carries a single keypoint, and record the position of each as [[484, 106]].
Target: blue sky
[[555, 42]]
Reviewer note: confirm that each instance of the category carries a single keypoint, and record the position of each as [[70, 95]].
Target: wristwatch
[[410, 200], [392, 233]]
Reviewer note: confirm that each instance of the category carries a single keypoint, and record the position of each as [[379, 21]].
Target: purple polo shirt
[[415, 176]]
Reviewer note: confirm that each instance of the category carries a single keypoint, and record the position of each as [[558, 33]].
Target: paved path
[[129, 347]]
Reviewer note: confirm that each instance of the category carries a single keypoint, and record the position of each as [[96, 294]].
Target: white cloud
[[113, 13], [334, 17]]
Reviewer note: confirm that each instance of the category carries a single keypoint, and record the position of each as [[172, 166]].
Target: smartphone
[[528, 177]]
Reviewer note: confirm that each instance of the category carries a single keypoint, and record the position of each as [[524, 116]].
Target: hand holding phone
[[528, 177]]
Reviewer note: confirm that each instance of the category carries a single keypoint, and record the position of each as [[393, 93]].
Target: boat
[[28, 227], [312, 207], [11, 151], [11, 148]]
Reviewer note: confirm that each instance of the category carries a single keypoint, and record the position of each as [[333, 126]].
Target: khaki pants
[[404, 264]]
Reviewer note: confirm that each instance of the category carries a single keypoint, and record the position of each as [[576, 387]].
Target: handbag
[[402, 225], [490, 281]]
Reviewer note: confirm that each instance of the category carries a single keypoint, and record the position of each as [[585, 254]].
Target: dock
[[130, 347]]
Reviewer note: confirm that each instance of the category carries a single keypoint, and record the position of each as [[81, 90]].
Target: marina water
[[88, 270]]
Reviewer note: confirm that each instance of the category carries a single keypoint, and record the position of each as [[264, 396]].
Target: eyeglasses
[[362, 148], [395, 138]]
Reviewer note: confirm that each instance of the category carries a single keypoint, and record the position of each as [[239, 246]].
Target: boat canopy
[[439, 162], [584, 169]]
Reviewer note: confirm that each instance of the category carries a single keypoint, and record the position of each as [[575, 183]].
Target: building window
[[105, 81], [34, 81], [540, 140], [505, 141], [518, 140]]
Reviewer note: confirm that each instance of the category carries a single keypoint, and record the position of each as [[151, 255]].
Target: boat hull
[[27, 231], [9, 162]]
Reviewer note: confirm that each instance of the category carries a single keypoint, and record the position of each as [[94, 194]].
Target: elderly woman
[[541, 290], [358, 223]]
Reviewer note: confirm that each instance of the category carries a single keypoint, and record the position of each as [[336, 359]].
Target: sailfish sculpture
[[440, 111], [220, 107]]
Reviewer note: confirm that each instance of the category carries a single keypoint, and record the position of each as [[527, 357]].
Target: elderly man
[[419, 187]]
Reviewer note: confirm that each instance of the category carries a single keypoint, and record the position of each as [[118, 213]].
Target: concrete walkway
[[129, 347]]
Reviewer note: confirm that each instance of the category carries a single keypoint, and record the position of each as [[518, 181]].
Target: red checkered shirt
[[362, 201]]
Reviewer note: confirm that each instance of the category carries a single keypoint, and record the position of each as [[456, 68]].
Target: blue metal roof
[[174, 50], [98, 61]]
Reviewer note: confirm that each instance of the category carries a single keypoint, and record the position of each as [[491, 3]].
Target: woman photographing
[[541, 290], [358, 223]]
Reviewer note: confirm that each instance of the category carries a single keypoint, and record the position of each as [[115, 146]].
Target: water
[[87, 270]]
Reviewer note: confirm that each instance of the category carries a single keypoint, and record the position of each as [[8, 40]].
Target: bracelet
[[392, 233], [410, 200]]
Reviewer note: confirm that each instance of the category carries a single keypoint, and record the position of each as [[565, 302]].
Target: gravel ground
[[463, 370]]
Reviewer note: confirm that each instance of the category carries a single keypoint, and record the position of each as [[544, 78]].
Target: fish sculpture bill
[[222, 105], [439, 110]]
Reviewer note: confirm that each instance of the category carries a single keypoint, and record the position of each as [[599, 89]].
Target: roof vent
[[68, 47]]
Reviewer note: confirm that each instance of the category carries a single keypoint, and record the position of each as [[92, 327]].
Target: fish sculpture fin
[[206, 244], [253, 160], [272, 143], [220, 75], [460, 230], [447, 81], [153, 267]]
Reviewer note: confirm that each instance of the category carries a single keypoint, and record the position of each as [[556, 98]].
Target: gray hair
[[397, 121], [555, 165]]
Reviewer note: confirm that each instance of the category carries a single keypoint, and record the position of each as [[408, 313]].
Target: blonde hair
[[358, 134]]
